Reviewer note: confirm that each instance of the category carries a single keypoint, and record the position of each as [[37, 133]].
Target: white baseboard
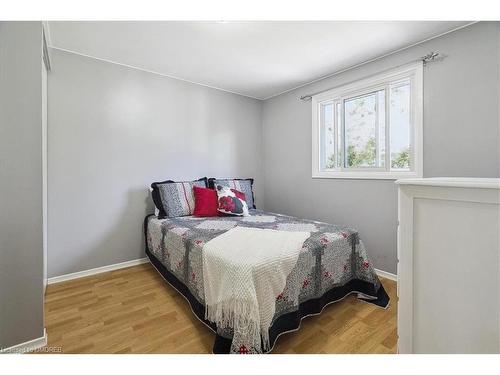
[[94, 271], [27, 346], [387, 275], [135, 262]]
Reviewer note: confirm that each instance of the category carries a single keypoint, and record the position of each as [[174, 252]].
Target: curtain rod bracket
[[431, 57]]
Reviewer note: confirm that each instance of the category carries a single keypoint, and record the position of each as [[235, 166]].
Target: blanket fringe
[[242, 315]]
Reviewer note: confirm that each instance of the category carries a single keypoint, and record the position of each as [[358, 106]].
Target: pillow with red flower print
[[231, 201]]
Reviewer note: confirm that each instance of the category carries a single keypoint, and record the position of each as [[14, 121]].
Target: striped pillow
[[241, 184], [175, 199]]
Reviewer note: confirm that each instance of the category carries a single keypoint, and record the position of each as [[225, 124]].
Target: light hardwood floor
[[133, 310]]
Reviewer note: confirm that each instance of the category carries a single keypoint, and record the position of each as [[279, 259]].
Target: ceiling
[[255, 59]]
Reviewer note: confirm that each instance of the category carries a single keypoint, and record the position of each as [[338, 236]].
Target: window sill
[[367, 175]]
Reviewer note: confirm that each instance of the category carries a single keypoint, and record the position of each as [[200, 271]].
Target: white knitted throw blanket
[[244, 269]]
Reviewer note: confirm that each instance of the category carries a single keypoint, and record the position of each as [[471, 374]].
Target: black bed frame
[[285, 323]]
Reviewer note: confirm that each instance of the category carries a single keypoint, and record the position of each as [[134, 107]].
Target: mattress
[[332, 264]]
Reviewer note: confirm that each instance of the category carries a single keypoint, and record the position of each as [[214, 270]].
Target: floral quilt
[[331, 257]]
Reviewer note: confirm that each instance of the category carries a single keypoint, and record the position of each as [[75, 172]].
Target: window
[[371, 128]]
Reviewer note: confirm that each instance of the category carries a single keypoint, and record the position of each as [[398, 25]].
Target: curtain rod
[[430, 57]]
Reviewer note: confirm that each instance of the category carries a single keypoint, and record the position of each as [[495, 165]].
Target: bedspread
[[332, 258]]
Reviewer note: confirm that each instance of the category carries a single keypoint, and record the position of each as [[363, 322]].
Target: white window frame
[[413, 72]]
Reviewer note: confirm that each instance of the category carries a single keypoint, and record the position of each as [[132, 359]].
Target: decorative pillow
[[239, 195], [205, 202], [245, 185], [230, 202], [175, 198]]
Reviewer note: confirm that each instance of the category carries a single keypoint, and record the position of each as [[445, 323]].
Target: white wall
[[21, 239], [461, 138], [112, 131]]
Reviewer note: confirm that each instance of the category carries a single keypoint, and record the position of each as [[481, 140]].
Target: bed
[[331, 265]]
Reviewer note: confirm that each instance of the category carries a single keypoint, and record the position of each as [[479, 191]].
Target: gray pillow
[[175, 199]]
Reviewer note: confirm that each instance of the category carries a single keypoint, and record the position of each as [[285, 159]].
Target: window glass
[[327, 135], [363, 125], [400, 111]]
